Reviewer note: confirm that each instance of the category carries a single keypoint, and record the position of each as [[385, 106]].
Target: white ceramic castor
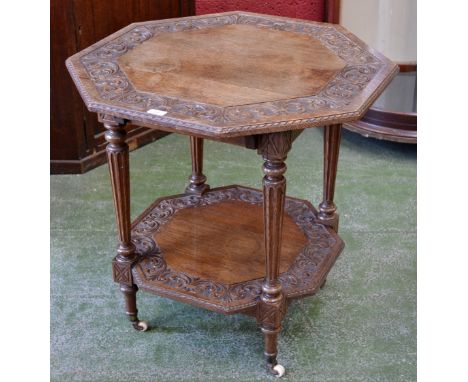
[[280, 370], [142, 326]]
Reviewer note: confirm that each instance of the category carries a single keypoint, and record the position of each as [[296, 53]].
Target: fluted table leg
[[118, 160], [331, 149], [197, 180], [272, 306]]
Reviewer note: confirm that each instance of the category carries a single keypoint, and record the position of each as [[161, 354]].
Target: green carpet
[[360, 327]]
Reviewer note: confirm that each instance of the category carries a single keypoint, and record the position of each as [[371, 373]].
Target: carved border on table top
[[152, 271], [112, 84]]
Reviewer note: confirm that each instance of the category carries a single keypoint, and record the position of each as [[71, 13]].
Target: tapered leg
[[272, 306], [129, 292], [117, 157], [197, 180], [331, 148]]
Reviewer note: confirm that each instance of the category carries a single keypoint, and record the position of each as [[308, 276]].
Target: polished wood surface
[[197, 180], [393, 117], [387, 125], [225, 77], [119, 170], [158, 270], [331, 151], [274, 149], [224, 242], [231, 74], [231, 65]]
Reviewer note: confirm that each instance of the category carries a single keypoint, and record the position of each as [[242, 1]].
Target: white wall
[[387, 25]]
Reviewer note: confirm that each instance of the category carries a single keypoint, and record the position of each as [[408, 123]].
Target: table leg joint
[[122, 270], [271, 311]]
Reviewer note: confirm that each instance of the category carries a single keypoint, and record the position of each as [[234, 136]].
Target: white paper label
[[157, 112]]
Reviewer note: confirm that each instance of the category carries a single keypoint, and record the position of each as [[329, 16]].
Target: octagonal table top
[[231, 74]]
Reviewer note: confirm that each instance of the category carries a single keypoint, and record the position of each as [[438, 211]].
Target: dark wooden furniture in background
[[227, 77], [77, 139], [332, 11], [393, 118]]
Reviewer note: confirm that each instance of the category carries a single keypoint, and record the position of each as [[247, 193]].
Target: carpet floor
[[360, 327]]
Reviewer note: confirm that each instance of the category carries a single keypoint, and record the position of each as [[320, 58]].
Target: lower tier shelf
[[209, 250]]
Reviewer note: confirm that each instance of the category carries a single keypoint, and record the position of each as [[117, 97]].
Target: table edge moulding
[[146, 258], [105, 88]]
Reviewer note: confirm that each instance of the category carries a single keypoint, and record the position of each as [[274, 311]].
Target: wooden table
[[242, 78]]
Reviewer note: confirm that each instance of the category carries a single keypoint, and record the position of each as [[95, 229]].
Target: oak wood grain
[[197, 180], [231, 74], [224, 242], [331, 151], [237, 75], [272, 306], [152, 272], [231, 65]]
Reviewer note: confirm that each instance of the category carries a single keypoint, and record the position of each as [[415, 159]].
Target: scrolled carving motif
[[152, 271], [202, 111], [113, 85], [138, 99], [341, 90], [102, 70], [137, 36], [155, 269], [119, 46], [275, 146], [361, 74], [188, 24], [145, 245], [111, 50], [341, 45]]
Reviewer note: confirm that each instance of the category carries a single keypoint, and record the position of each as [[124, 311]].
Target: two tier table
[[243, 78]]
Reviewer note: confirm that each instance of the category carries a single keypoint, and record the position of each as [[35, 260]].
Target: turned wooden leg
[[197, 180], [117, 157], [331, 148], [129, 292], [272, 306]]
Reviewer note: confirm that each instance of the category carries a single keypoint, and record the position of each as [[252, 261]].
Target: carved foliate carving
[[151, 271], [338, 101], [122, 272], [110, 120], [275, 146]]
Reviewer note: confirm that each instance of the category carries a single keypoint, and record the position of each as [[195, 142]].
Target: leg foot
[[279, 370], [331, 149], [141, 326], [129, 292], [117, 157], [272, 305], [273, 367]]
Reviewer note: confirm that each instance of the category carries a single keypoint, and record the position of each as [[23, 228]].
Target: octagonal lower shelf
[[209, 251]]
